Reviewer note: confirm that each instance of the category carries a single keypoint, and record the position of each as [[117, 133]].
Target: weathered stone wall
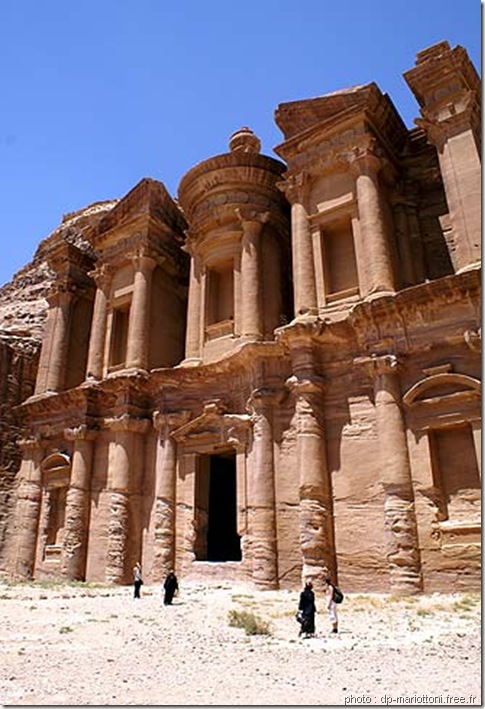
[[23, 312], [18, 367]]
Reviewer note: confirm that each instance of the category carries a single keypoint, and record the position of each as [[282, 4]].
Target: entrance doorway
[[216, 509]]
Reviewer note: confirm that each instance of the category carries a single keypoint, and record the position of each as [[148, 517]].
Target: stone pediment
[[215, 427], [340, 119], [55, 462], [295, 117], [56, 470], [443, 398], [441, 386], [150, 199]]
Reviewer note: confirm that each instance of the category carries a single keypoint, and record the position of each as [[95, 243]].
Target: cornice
[[392, 320], [242, 358]]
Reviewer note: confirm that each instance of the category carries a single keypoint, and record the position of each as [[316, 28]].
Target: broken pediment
[[148, 198], [333, 117], [295, 117], [215, 427]]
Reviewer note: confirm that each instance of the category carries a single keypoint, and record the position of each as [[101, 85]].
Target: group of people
[[307, 609], [306, 606], [170, 585]]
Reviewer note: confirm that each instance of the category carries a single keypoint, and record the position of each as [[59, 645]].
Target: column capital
[[435, 131], [143, 261], [192, 238], [459, 119], [365, 161], [307, 385], [168, 422], [32, 443], [473, 339], [295, 187], [376, 365], [80, 433], [252, 223], [264, 397], [61, 294], [249, 216], [126, 423], [102, 275]]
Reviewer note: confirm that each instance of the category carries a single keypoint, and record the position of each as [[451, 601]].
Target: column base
[[304, 318], [475, 266], [250, 338], [306, 313], [91, 379], [127, 371], [190, 362], [379, 294]]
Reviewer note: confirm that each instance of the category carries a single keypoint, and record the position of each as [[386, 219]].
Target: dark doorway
[[216, 509]]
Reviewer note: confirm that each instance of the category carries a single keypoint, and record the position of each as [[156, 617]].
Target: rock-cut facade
[[275, 376]]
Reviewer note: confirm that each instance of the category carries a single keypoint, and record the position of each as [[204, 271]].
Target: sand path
[[86, 645]]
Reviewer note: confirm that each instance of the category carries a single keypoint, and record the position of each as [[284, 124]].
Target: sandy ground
[[95, 645]]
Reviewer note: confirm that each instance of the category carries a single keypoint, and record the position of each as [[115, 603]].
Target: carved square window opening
[[119, 335], [339, 260], [220, 294], [455, 472]]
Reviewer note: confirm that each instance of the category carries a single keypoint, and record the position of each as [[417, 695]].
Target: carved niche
[[56, 473]]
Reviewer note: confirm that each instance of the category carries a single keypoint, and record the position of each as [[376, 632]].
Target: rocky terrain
[[23, 311], [23, 304], [95, 645]]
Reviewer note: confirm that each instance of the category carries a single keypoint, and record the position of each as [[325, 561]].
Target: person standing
[[331, 605], [307, 610], [137, 580], [171, 587]]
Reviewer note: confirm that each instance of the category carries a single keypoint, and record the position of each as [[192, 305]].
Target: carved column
[[407, 262], [304, 279], [316, 527], [138, 346], [165, 491], [262, 500], [411, 195], [400, 516], [193, 335], [73, 563], [251, 306], [448, 90], [55, 346], [375, 245], [97, 338], [461, 170], [29, 497], [122, 470]]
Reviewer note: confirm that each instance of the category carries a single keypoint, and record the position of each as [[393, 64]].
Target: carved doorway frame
[[213, 432]]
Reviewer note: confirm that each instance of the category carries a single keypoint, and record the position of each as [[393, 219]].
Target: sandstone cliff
[[23, 311]]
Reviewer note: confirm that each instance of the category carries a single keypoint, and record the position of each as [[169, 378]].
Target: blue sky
[[98, 94]]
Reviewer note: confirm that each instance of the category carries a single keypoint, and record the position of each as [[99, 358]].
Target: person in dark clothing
[[137, 580], [307, 610], [171, 587]]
